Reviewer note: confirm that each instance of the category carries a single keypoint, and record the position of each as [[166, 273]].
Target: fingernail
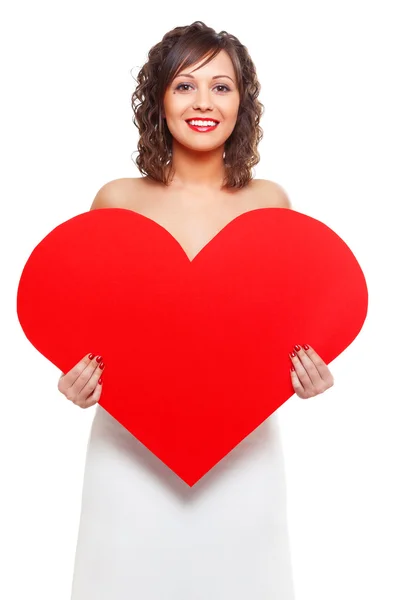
[[292, 354], [306, 347], [100, 381], [297, 348], [292, 368], [99, 358], [91, 356]]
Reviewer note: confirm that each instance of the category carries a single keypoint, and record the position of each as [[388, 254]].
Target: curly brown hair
[[180, 48]]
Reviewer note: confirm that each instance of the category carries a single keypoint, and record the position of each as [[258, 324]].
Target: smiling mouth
[[202, 128], [201, 121]]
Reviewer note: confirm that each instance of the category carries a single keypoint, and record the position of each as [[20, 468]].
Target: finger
[[309, 366], [95, 372], [67, 380], [84, 375], [319, 364], [301, 372], [297, 386], [94, 397]]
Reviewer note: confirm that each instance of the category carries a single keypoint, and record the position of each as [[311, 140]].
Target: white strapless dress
[[144, 534]]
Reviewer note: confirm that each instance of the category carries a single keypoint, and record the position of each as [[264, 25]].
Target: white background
[[331, 139]]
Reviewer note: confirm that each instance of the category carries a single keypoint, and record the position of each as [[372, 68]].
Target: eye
[[223, 86], [181, 85], [220, 85]]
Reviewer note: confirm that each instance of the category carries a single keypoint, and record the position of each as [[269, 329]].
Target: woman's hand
[[310, 375], [82, 384]]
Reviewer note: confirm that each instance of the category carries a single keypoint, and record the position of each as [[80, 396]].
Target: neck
[[194, 170]]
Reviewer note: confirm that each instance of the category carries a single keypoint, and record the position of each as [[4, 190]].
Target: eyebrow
[[192, 77]]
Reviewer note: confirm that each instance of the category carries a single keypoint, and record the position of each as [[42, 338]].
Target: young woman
[[144, 534]]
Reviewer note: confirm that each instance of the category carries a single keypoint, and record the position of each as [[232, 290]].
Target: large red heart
[[196, 352]]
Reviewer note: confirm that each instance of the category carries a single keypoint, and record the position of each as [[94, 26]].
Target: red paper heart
[[196, 352]]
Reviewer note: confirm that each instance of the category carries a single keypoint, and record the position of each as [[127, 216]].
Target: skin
[[198, 158], [311, 375], [195, 206]]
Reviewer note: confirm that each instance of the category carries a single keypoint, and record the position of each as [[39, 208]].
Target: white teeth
[[203, 123]]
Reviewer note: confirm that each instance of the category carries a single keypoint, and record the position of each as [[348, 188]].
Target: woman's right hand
[[81, 384]]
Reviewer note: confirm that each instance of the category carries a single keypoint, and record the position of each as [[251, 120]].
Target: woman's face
[[196, 95]]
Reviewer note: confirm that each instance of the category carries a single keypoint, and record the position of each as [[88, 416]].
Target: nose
[[203, 100]]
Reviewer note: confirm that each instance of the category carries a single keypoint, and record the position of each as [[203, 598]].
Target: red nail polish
[[100, 381], [91, 356], [292, 368], [297, 348], [292, 354], [306, 347]]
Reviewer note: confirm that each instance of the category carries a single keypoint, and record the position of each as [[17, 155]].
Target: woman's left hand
[[311, 375]]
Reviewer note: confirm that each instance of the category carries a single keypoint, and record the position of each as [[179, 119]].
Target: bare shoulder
[[113, 193], [127, 192], [270, 194]]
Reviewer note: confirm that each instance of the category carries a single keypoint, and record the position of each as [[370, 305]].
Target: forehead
[[220, 64]]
